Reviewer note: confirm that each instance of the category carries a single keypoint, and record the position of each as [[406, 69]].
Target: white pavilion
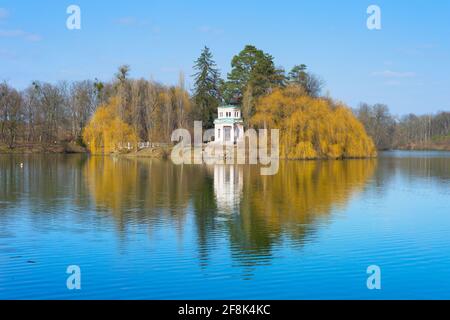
[[228, 127]]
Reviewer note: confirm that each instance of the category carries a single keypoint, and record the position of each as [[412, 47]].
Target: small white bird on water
[[21, 164]]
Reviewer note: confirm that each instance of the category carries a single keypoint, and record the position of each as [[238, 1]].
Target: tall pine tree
[[252, 68], [311, 84], [253, 75], [206, 95]]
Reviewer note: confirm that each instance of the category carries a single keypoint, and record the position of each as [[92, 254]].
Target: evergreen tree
[[298, 75], [252, 68], [311, 84], [207, 84]]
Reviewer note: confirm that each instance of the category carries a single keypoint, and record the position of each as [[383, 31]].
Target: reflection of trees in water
[[259, 214], [142, 190], [45, 183], [42, 192], [412, 166], [146, 191], [289, 203], [424, 168], [264, 211]]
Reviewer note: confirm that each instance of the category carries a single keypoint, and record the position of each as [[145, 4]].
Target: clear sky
[[406, 64]]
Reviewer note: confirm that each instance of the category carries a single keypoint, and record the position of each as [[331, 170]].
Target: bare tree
[[379, 124], [10, 114]]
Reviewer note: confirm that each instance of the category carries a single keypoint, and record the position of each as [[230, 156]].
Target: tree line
[[48, 114], [409, 131]]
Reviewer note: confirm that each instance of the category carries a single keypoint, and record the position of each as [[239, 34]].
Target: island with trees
[[99, 117]]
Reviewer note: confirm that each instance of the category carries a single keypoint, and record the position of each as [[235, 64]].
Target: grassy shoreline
[[425, 147], [38, 148], [157, 152]]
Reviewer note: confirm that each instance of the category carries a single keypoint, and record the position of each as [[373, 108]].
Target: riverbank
[[36, 148], [441, 144], [164, 152], [154, 153]]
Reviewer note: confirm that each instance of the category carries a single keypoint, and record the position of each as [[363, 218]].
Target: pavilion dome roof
[[230, 106]]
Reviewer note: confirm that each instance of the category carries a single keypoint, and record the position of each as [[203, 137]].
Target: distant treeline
[[48, 114], [411, 131], [52, 113]]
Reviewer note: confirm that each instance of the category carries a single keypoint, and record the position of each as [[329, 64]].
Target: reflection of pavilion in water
[[228, 186]]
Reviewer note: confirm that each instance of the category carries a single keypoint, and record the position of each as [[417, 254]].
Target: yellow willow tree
[[312, 128], [107, 132]]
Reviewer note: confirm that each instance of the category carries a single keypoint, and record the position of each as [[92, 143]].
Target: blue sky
[[406, 64]]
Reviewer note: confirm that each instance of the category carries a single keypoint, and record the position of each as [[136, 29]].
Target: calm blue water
[[146, 229]]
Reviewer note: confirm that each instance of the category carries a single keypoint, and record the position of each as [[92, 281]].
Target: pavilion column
[[232, 134]]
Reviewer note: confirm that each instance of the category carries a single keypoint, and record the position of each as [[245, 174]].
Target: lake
[[147, 229]]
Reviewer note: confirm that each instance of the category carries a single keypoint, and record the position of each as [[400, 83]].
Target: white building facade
[[229, 126]]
